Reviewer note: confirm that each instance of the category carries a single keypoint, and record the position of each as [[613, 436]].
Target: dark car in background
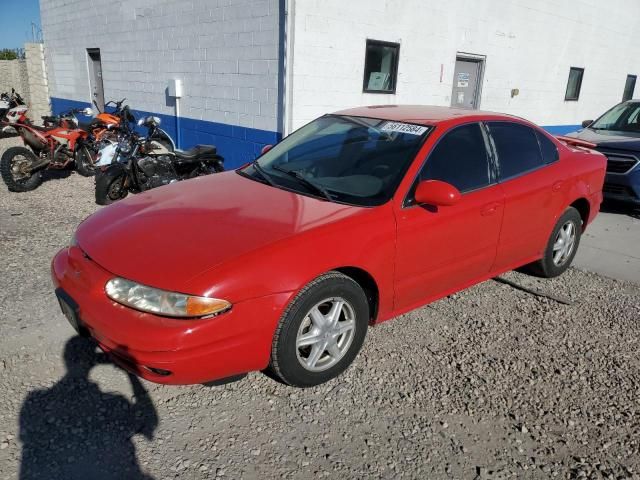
[[617, 135]]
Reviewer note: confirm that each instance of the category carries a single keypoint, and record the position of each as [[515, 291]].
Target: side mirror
[[156, 120], [586, 123], [265, 149], [437, 193], [88, 112]]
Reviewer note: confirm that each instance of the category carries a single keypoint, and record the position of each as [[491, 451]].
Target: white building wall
[[529, 45], [225, 51]]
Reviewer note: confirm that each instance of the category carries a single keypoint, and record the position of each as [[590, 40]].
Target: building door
[[95, 77], [467, 80]]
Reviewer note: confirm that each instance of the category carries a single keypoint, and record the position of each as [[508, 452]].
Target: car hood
[[166, 236], [608, 139]]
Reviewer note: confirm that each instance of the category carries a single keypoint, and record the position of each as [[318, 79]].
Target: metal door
[[466, 83], [95, 77]]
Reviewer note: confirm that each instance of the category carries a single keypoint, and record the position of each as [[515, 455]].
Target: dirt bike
[[55, 145], [136, 164]]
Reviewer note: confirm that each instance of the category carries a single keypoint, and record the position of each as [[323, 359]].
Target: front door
[[466, 83], [95, 77], [443, 249]]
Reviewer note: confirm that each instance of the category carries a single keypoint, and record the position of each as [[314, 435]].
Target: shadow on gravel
[[73, 430], [609, 206], [48, 175]]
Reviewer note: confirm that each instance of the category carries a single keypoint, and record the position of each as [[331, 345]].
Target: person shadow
[[73, 430]]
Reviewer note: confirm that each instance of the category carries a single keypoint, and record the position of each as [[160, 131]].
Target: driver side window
[[460, 158]]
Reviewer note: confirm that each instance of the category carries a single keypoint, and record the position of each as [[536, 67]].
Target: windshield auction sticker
[[404, 128]]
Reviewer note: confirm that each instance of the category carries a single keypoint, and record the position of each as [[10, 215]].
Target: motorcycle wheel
[[15, 170], [85, 162], [110, 188]]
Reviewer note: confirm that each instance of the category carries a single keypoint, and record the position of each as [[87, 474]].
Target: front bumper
[[191, 351], [623, 187]]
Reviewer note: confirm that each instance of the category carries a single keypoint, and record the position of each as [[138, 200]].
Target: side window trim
[[524, 172], [407, 202]]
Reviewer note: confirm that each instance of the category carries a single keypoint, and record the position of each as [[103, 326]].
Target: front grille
[[620, 163], [618, 190]]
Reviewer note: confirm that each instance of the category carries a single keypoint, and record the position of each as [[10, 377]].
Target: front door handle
[[556, 187], [490, 209]]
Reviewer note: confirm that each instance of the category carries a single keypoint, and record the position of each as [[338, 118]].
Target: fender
[[114, 170]]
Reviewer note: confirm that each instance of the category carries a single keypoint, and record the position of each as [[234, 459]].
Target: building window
[[574, 83], [381, 67], [629, 87]]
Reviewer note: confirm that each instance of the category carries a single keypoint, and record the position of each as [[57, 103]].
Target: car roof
[[422, 114]]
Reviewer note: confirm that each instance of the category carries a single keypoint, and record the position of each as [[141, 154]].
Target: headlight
[[161, 302]]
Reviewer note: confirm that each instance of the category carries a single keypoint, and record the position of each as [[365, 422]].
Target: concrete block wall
[[37, 80], [529, 45], [29, 78], [226, 52], [13, 74]]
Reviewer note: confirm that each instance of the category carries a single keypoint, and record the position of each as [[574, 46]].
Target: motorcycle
[[9, 102], [108, 122], [136, 163], [55, 145]]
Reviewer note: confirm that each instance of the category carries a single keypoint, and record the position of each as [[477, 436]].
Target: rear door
[[534, 188], [441, 249]]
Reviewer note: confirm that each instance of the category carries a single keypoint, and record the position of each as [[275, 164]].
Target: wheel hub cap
[[325, 334], [564, 243]]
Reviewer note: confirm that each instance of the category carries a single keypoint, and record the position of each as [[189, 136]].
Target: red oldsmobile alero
[[353, 219]]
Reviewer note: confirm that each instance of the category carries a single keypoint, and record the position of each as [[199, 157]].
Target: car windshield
[[622, 118], [346, 159]]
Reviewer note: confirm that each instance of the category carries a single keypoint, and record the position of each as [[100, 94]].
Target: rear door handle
[[490, 209], [556, 187]]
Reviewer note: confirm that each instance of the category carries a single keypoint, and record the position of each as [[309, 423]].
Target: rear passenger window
[[548, 149], [460, 158], [517, 148]]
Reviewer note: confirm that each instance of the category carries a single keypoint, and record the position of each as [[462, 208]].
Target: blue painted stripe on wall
[[238, 145], [562, 129]]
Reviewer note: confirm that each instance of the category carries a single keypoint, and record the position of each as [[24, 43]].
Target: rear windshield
[[354, 160]]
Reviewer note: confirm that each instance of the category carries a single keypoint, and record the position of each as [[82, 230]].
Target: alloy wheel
[[325, 334], [564, 243]]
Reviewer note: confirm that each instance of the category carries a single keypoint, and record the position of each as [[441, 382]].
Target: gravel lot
[[493, 382]]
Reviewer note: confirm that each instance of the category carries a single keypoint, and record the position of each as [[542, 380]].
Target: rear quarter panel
[[586, 170]]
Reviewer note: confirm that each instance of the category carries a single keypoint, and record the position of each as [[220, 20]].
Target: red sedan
[[355, 218]]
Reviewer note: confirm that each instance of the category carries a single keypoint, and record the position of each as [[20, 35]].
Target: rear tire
[[110, 187], [321, 331], [85, 162], [561, 247], [13, 165]]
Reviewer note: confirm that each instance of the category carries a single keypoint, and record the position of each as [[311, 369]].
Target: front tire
[[85, 162], [110, 187], [321, 331], [561, 247], [15, 168]]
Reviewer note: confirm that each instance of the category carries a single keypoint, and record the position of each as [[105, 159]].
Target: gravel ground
[[493, 382]]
